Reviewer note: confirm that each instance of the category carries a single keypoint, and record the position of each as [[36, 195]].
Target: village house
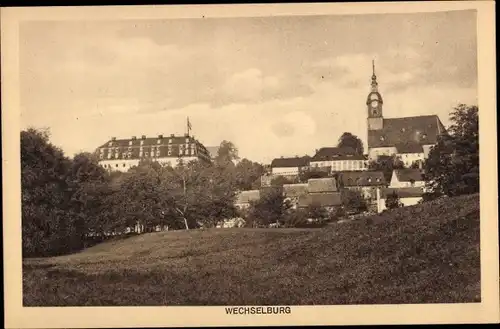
[[244, 198], [292, 193], [407, 178], [323, 192], [289, 167], [339, 159], [366, 182], [410, 154], [408, 196]]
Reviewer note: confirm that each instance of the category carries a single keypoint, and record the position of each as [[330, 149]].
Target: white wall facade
[[405, 201], [285, 171], [409, 158], [427, 149], [375, 152], [342, 165], [124, 165]]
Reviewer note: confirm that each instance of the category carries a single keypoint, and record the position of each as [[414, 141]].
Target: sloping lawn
[[421, 254]]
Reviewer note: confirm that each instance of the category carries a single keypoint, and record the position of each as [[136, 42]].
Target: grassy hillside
[[422, 254]]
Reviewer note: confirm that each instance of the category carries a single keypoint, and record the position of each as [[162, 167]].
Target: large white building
[[123, 154], [339, 159], [289, 167]]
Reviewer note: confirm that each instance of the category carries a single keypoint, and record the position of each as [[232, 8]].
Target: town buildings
[[339, 159], [289, 167], [123, 154]]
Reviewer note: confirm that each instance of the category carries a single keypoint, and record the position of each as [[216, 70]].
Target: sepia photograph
[[255, 163]]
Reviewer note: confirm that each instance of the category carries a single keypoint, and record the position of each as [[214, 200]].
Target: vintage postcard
[[286, 164]]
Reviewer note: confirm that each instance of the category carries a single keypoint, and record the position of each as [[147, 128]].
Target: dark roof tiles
[[408, 175], [337, 153], [362, 178], [420, 129], [290, 162]]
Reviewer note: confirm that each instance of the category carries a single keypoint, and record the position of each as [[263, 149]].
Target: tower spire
[[374, 78]]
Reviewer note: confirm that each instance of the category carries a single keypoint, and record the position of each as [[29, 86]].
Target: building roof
[[403, 192], [409, 147], [337, 153], [294, 190], [408, 175], [423, 130], [322, 185], [247, 196], [148, 141], [290, 162], [323, 199], [362, 178]]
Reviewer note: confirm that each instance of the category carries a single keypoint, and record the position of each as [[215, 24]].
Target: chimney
[[160, 136], [186, 135], [172, 135], [134, 138], [143, 136], [113, 138], [296, 156]]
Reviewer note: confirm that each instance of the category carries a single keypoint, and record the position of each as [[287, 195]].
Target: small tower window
[[403, 129]]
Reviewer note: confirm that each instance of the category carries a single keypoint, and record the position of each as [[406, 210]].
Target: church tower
[[374, 104]]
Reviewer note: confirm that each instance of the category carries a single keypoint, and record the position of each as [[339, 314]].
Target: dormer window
[[142, 142], [170, 141], [110, 144], [158, 141], [187, 140], [130, 143]]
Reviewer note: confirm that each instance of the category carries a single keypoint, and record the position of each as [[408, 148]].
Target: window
[[146, 154], [140, 153], [158, 153], [169, 152], [187, 140], [124, 165], [109, 155], [403, 129], [142, 143], [130, 143], [382, 138], [158, 141], [110, 144], [170, 141], [129, 149], [101, 156], [116, 165]]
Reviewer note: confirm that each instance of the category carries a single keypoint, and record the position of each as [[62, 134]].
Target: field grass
[[421, 254]]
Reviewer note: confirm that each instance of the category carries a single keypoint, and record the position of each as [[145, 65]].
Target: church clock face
[[374, 103]]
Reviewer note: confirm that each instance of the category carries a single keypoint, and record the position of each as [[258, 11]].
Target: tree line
[[69, 202]]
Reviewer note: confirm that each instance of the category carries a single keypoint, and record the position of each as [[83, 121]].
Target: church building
[[410, 138]]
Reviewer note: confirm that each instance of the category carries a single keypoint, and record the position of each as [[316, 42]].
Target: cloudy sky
[[275, 86]]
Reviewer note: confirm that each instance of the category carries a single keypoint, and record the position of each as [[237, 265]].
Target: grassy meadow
[[427, 253]]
